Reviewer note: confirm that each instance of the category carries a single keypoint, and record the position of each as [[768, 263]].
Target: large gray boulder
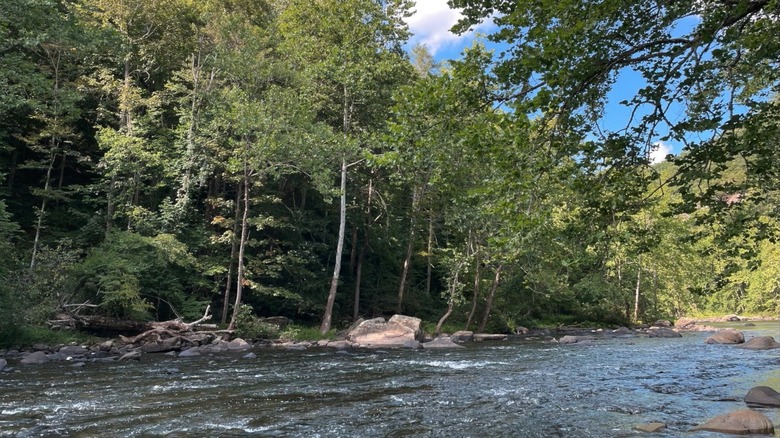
[[729, 336], [762, 396], [238, 344], [3, 364], [742, 422], [661, 332], [36, 358], [380, 333], [760, 343]]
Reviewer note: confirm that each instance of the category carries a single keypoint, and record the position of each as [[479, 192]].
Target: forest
[[302, 158]]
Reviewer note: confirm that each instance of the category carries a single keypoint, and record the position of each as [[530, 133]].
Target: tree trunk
[[477, 273], [233, 249], [636, 293], [334, 283], [409, 249], [451, 301], [241, 248], [491, 295], [363, 249], [429, 270], [42, 212]]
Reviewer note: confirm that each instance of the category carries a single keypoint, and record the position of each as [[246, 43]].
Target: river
[[515, 388]]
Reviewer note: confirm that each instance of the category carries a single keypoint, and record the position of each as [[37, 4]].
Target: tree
[[350, 54], [715, 63]]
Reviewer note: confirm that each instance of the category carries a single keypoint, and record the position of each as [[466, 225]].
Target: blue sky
[[430, 26]]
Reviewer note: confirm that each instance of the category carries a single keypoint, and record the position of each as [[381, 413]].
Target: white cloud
[[659, 152], [431, 24]]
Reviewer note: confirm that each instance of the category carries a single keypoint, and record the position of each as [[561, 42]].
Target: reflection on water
[[512, 388]]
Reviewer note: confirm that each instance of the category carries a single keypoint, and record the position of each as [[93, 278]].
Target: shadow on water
[[525, 389]]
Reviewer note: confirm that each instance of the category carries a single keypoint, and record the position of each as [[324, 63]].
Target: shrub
[[248, 326]]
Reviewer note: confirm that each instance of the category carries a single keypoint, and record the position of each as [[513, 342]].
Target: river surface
[[489, 389]]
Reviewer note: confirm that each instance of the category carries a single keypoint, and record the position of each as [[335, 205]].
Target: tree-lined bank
[[160, 157]]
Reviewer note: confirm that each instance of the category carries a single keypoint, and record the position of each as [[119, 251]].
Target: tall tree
[[350, 53]]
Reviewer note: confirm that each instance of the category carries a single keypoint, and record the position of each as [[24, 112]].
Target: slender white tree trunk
[[334, 282]]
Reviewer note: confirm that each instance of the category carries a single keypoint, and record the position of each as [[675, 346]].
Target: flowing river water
[[515, 388]]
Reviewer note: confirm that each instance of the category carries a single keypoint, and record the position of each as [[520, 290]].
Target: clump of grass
[[26, 335]]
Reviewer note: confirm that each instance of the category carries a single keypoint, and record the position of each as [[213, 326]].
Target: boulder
[[663, 323], [190, 352], [249, 356], [740, 422], [238, 344], [162, 346], [3, 364], [323, 343], [760, 343], [685, 323], [660, 332], [729, 336], [413, 345], [408, 321], [73, 351], [489, 337], [380, 333], [650, 427], [623, 331], [569, 340], [520, 330], [462, 336], [36, 358], [217, 346], [339, 345], [133, 355], [762, 396], [441, 342], [731, 318]]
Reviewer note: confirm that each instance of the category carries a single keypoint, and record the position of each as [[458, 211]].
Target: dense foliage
[[160, 156]]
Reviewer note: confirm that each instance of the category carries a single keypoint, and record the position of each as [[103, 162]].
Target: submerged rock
[[441, 342], [489, 337], [762, 396], [740, 422], [570, 339], [190, 352], [760, 343], [729, 336], [133, 355], [650, 427]]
